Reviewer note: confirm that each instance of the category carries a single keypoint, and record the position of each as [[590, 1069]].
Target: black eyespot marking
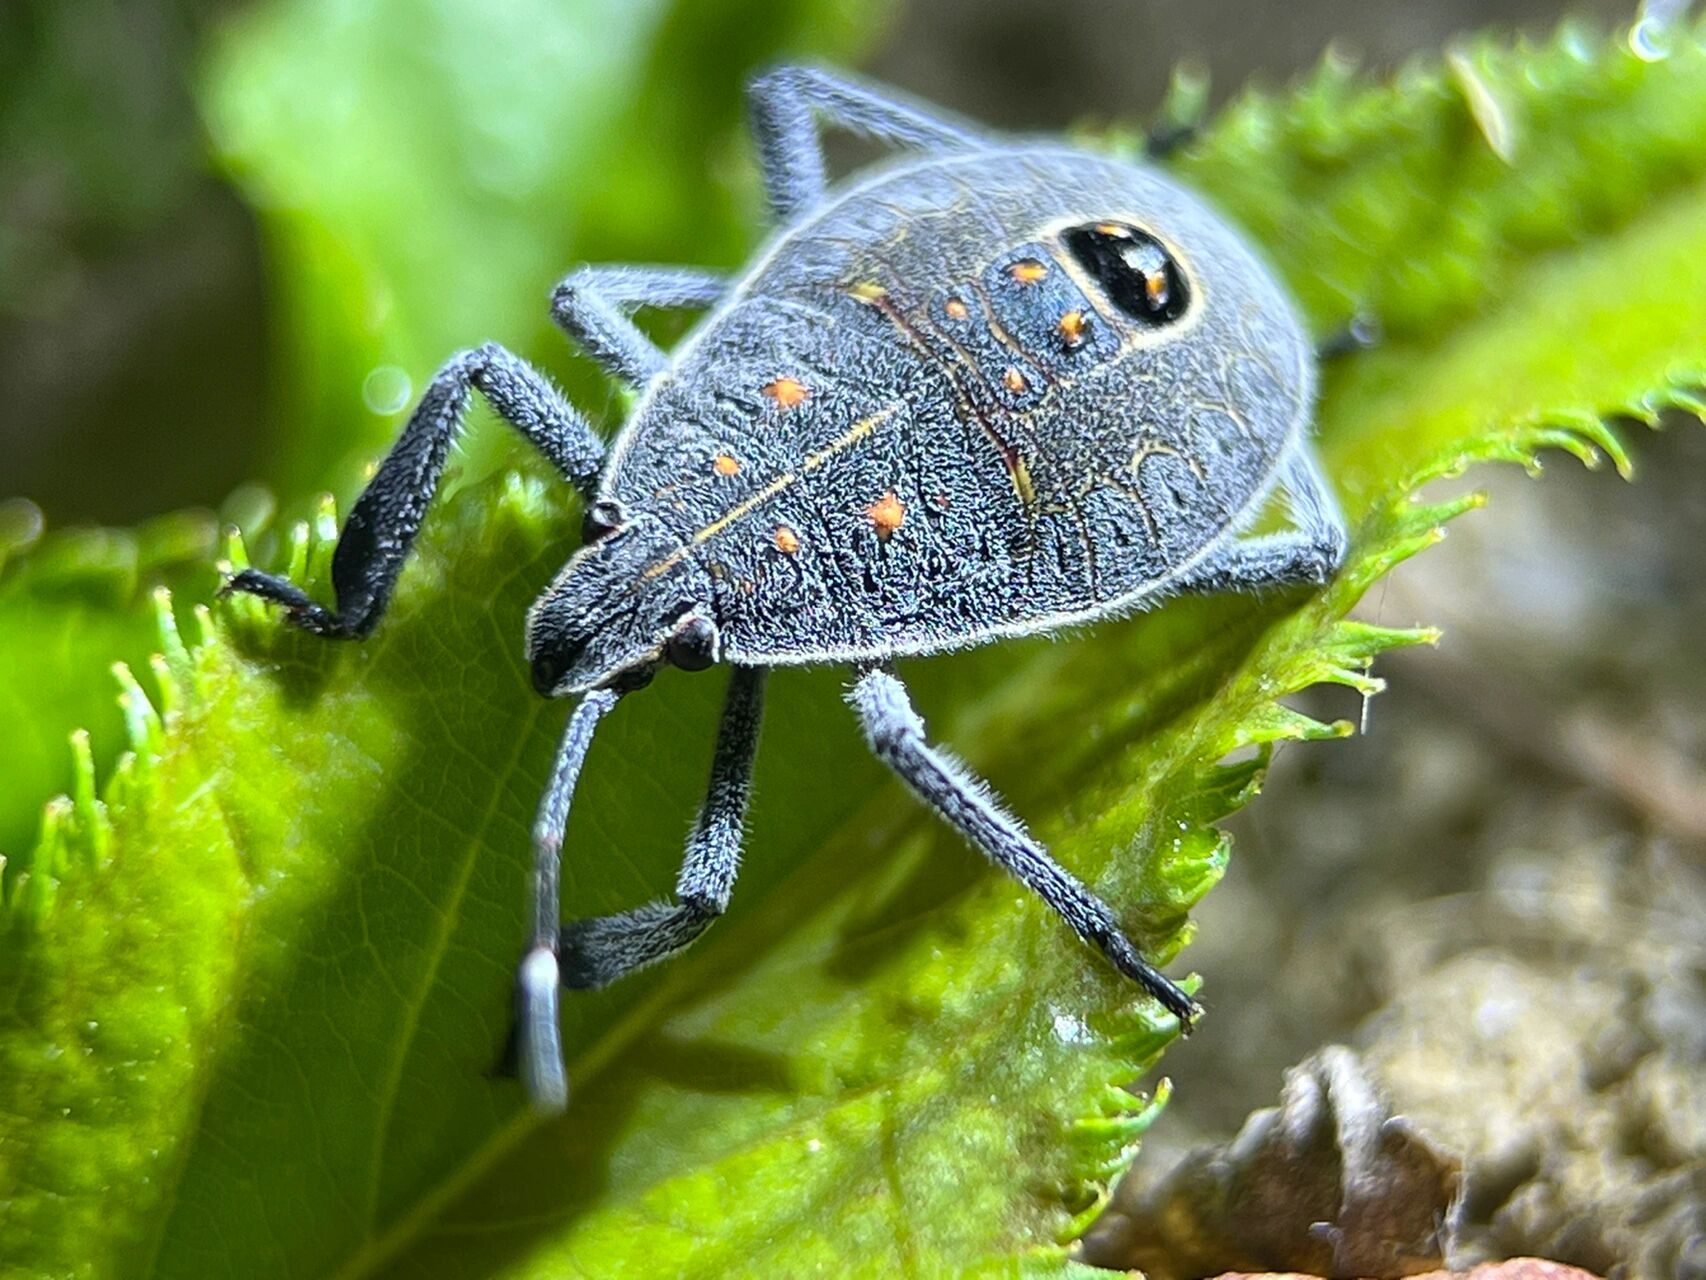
[[1138, 275], [693, 645]]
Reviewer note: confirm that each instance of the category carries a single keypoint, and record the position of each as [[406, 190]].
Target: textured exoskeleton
[[988, 388]]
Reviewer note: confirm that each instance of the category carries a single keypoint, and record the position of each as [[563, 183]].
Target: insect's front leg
[[592, 953], [597, 952], [384, 521]]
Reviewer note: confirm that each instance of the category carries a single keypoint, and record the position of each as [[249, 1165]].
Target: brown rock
[[1330, 1181]]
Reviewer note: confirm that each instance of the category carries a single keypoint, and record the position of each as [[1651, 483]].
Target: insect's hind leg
[[1309, 554], [596, 952], [593, 305], [785, 105], [385, 519], [896, 735]]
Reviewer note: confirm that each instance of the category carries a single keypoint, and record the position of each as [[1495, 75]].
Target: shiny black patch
[[1135, 271]]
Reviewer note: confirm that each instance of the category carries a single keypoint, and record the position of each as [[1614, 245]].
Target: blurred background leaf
[[425, 172]]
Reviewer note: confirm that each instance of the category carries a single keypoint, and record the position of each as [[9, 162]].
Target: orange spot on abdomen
[[886, 514], [787, 392]]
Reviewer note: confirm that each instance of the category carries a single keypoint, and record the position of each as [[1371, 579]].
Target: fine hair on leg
[[787, 104], [381, 528], [596, 952], [593, 305], [896, 735]]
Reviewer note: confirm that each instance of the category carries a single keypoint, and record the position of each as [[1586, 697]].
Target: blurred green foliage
[[258, 979], [425, 172], [422, 174]]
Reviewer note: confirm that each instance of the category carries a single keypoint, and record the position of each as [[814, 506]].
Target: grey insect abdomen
[[919, 423]]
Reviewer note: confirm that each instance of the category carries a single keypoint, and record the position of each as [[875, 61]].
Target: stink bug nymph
[[990, 387]]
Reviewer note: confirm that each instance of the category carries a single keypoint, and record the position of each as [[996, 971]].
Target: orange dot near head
[[887, 514], [787, 541], [787, 392], [1072, 326], [1013, 380], [956, 308], [1027, 271], [725, 465]]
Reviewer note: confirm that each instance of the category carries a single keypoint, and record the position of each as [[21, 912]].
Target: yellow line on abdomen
[[857, 432]]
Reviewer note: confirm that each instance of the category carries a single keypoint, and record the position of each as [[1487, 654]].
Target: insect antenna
[[538, 1043]]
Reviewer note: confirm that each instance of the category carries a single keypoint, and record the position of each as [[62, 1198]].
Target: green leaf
[[424, 174], [67, 611], [258, 984]]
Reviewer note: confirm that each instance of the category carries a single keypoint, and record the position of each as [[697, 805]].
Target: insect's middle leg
[[1310, 554], [896, 735], [592, 306], [785, 105], [384, 521], [596, 952]]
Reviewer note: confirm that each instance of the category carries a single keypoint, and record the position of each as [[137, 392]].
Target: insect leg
[[1361, 332], [538, 1041], [597, 952], [1311, 553], [594, 303], [896, 735], [1164, 141], [382, 525], [786, 104]]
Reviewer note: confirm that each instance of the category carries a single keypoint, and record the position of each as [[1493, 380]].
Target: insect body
[[992, 389]]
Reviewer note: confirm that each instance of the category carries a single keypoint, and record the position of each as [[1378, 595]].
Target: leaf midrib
[[447, 918]]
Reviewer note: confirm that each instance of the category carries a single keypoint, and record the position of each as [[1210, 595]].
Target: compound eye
[[1135, 270], [692, 646], [602, 518]]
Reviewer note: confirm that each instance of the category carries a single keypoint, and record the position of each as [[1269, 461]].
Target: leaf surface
[[261, 983]]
